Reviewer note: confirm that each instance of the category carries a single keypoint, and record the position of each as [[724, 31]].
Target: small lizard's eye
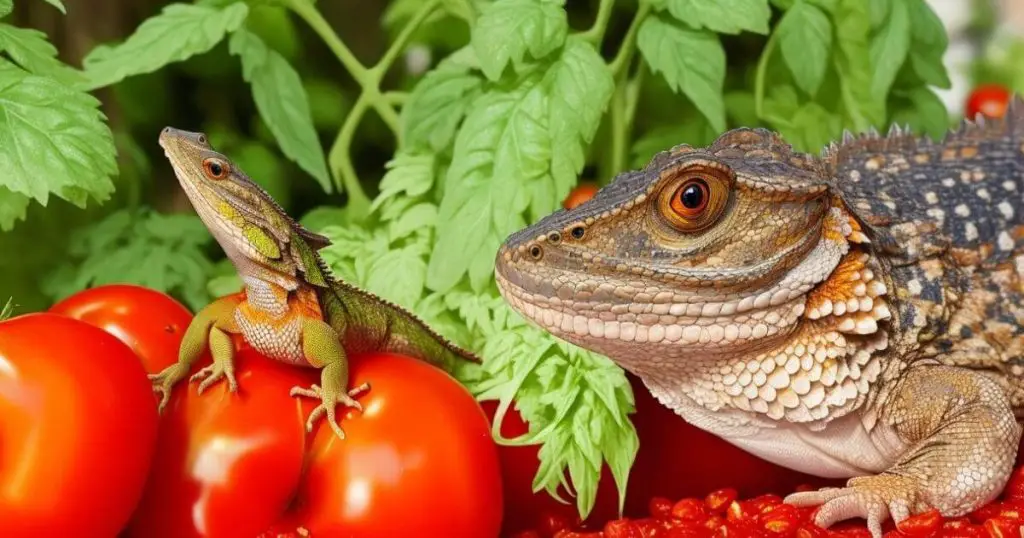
[[694, 200], [215, 169]]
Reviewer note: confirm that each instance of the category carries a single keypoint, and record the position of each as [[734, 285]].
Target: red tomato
[[150, 322], [419, 460], [77, 426], [988, 99], [581, 193], [227, 464]]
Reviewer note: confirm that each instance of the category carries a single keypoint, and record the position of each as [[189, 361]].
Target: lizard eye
[[215, 169], [694, 200]]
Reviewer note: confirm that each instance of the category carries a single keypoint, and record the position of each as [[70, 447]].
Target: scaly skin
[[292, 310], [855, 315]]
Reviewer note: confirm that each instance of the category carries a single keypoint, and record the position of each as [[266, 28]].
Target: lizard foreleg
[[962, 438], [322, 348], [208, 327]]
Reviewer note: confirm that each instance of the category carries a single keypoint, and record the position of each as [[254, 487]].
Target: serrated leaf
[[501, 150], [417, 217], [889, 48], [692, 62], [408, 173], [52, 140], [509, 29], [12, 208], [722, 16], [31, 50], [437, 106], [399, 275], [805, 39], [282, 103], [178, 32], [580, 86]]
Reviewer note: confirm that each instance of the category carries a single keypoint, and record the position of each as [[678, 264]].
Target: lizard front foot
[[874, 498], [213, 373], [328, 402], [165, 381]]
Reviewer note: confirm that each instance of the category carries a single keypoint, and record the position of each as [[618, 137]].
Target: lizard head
[[704, 251], [250, 226]]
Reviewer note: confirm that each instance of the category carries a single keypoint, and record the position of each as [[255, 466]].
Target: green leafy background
[[417, 135]]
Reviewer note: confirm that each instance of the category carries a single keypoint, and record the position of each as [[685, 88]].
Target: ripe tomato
[[77, 426], [419, 460], [150, 322], [581, 193], [989, 99], [226, 464]]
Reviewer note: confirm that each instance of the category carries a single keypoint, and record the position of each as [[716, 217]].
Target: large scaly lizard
[[292, 309], [851, 315]]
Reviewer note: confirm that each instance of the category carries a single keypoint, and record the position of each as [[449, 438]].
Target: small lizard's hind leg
[[205, 329], [322, 348], [962, 438]]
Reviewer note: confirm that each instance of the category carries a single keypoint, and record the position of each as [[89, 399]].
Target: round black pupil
[[215, 169], [693, 196], [577, 232]]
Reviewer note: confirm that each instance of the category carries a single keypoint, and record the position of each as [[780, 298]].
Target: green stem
[[308, 12], [633, 99], [620, 63], [761, 74], [619, 131], [396, 97], [396, 48], [596, 32], [341, 162], [386, 113]]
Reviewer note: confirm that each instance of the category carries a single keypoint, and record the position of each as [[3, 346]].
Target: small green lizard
[[292, 309]]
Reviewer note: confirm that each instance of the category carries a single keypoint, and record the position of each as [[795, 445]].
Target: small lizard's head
[[704, 251], [249, 225]]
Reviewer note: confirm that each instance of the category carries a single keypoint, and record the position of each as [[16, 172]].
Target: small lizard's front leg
[[962, 437], [322, 348], [208, 327]]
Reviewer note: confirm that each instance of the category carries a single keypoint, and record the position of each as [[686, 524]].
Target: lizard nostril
[[536, 252], [578, 232]]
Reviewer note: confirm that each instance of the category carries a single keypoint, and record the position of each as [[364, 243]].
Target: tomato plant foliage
[[509, 115]]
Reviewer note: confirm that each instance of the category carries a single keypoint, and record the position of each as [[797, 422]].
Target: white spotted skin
[[279, 340]]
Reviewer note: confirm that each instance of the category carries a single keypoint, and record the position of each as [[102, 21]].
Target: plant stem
[[308, 12], [341, 164], [396, 97], [620, 63], [619, 130], [596, 32], [760, 74], [396, 48], [633, 98]]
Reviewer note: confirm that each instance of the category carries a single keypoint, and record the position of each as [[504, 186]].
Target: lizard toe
[[874, 498]]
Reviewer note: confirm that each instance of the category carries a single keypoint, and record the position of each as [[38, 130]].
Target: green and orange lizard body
[[292, 309]]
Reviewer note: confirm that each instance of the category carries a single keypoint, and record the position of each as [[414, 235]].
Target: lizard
[[292, 309], [853, 313]]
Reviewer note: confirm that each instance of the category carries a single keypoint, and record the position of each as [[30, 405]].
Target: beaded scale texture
[[852, 315]]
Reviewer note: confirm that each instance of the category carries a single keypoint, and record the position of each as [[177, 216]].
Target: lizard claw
[[164, 381], [874, 498], [213, 373], [328, 403]]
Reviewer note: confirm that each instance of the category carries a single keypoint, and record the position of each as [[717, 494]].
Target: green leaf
[[811, 128], [163, 252], [696, 131], [6, 7], [509, 29], [282, 103], [879, 10], [418, 217], [438, 104], [408, 173], [12, 208], [580, 86], [805, 39], [52, 140], [179, 32], [853, 63], [59, 5], [889, 49], [927, 113], [739, 105], [722, 16], [34, 53], [399, 275], [930, 43], [502, 153], [8, 310], [692, 62]]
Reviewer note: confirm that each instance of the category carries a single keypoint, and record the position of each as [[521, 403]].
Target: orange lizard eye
[[215, 168], [694, 200]]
